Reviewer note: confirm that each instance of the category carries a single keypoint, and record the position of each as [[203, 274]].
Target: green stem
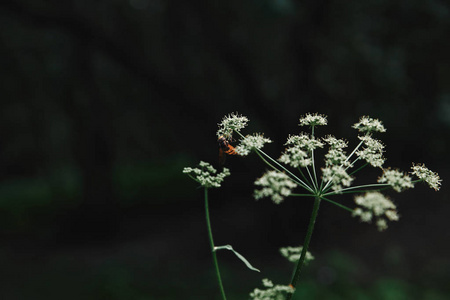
[[338, 204], [298, 180], [301, 260], [259, 152], [313, 163], [301, 195], [378, 186], [264, 160], [211, 242], [359, 169]]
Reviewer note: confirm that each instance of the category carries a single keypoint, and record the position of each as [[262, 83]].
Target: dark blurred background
[[104, 102]]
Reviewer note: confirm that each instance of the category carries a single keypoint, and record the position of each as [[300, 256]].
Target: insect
[[224, 148]]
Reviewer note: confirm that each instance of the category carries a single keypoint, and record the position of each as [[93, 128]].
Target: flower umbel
[[304, 141], [231, 123], [251, 142], [207, 175], [396, 179], [368, 125], [373, 151], [336, 156], [293, 254], [425, 174], [275, 185], [272, 292], [313, 120], [374, 205], [295, 157], [337, 176]]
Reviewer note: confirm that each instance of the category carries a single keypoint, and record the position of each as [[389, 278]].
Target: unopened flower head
[[293, 254], [313, 120], [368, 125], [295, 157], [275, 185], [207, 175], [304, 141], [396, 179], [372, 152], [272, 292], [337, 176], [374, 205], [425, 174], [251, 142], [231, 123]]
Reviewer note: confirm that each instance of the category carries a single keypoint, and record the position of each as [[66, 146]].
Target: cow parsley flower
[[251, 142], [231, 123], [295, 157], [425, 174], [374, 205], [337, 176], [336, 156], [368, 125], [313, 120], [207, 175], [396, 179], [272, 292], [293, 254], [372, 152], [304, 141], [275, 185], [335, 143]]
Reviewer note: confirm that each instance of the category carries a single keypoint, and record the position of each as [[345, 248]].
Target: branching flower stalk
[[208, 177], [337, 176]]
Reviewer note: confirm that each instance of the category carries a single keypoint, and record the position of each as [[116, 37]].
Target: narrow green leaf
[[228, 247]]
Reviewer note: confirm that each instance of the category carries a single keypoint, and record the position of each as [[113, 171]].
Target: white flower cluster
[[299, 153], [251, 142], [368, 125], [313, 120], [295, 157], [231, 123], [272, 292], [425, 174], [335, 143], [374, 205], [396, 179], [337, 176], [275, 185], [304, 141], [293, 254], [336, 155], [206, 175], [373, 151]]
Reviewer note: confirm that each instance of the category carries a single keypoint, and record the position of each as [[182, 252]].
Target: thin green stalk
[[211, 242], [379, 185], [303, 175], [338, 204], [264, 160], [303, 184], [301, 260], [360, 168], [301, 195], [311, 177], [313, 163]]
